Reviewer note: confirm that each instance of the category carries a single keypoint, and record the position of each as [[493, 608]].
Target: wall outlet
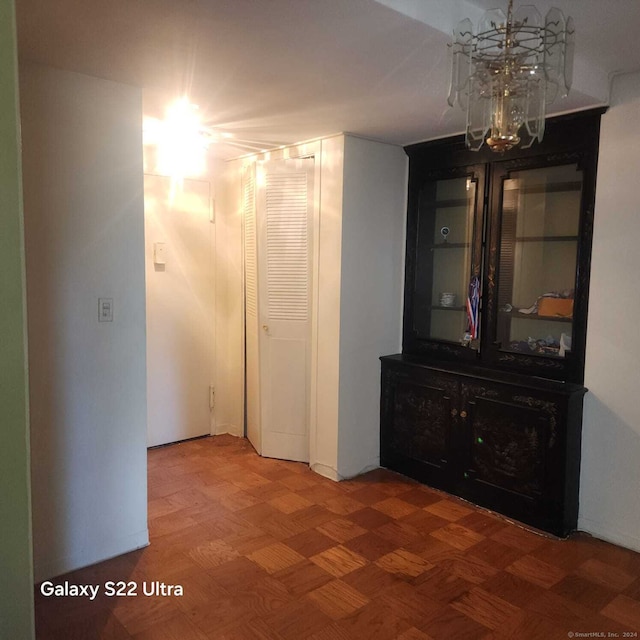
[[105, 309]]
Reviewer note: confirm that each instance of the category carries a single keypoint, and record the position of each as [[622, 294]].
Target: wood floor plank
[[624, 610], [337, 599], [486, 608], [605, 574], [536, 571], [404, 563], [276, 557], [339, 561]]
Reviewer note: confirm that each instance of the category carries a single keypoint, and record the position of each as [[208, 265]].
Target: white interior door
[[284, 247], [180, 282]]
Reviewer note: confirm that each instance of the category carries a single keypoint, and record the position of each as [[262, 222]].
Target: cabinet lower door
[[418, 421], [511, 448]]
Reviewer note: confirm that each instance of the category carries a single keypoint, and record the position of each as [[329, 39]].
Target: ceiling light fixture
[[506, 74], [182, 145]]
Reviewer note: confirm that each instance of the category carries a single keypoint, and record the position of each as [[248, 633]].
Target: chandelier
[[506, 74]]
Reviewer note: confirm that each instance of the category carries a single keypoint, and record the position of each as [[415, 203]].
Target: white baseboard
[[325, 471], [230, 429], [81, 558], [332, 474], [370, 467]]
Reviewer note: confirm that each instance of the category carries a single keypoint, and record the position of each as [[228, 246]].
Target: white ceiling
[[279, 71]]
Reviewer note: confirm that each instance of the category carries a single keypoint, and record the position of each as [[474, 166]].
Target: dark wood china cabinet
[[485, 400]]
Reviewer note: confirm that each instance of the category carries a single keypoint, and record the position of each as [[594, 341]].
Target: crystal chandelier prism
[[506, 74]]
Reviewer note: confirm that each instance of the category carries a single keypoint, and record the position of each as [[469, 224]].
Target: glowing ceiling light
[[181, 144]]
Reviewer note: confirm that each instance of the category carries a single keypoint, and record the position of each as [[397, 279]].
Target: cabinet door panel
[[444, 247], [421, 422], [418, 422], [534, 320], [508, 445], [515, 440]]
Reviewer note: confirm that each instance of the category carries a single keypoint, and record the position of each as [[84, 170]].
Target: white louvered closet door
[[284, 223]]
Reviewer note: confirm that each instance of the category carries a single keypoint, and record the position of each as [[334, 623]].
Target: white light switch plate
[[105, 309], [159, 253]]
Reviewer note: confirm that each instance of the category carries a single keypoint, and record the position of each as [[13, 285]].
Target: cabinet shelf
[[534, 316], [556, 187], [546, 238], [450, 245], [453, 202]]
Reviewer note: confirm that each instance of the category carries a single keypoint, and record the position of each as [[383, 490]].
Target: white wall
[[16, 579], [610, 474], [373, 231], [229, 404], [82, 141], [325, 378], [180, 295]]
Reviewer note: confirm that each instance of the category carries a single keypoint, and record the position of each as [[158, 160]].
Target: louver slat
[[251, 264], [287, 246]]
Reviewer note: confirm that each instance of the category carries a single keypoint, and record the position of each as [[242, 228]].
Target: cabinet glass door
[[538, 252], [448, 246]]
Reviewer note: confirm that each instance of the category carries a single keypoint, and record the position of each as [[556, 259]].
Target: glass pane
[[538, 253], [443, 259]]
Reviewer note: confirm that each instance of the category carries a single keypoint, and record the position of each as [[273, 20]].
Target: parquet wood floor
[[266, 549]]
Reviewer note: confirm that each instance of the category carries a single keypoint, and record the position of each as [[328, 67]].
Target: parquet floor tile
[[394, 507], [485, 608], [451, 624], [290, 502], [412, 605], [494, 553], [369, 518], [442, 585], [342, 505], [310, 543], [337, 599], [339, 561], [303, 577], [624, 610], [414, 634], [276, 557], [513, 588], [448, 509], [341, 530], [536, 571], [372, 580], [376, 620], [458, 536], [404, 563], [605, 574], [370, 546], [267, 550]]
